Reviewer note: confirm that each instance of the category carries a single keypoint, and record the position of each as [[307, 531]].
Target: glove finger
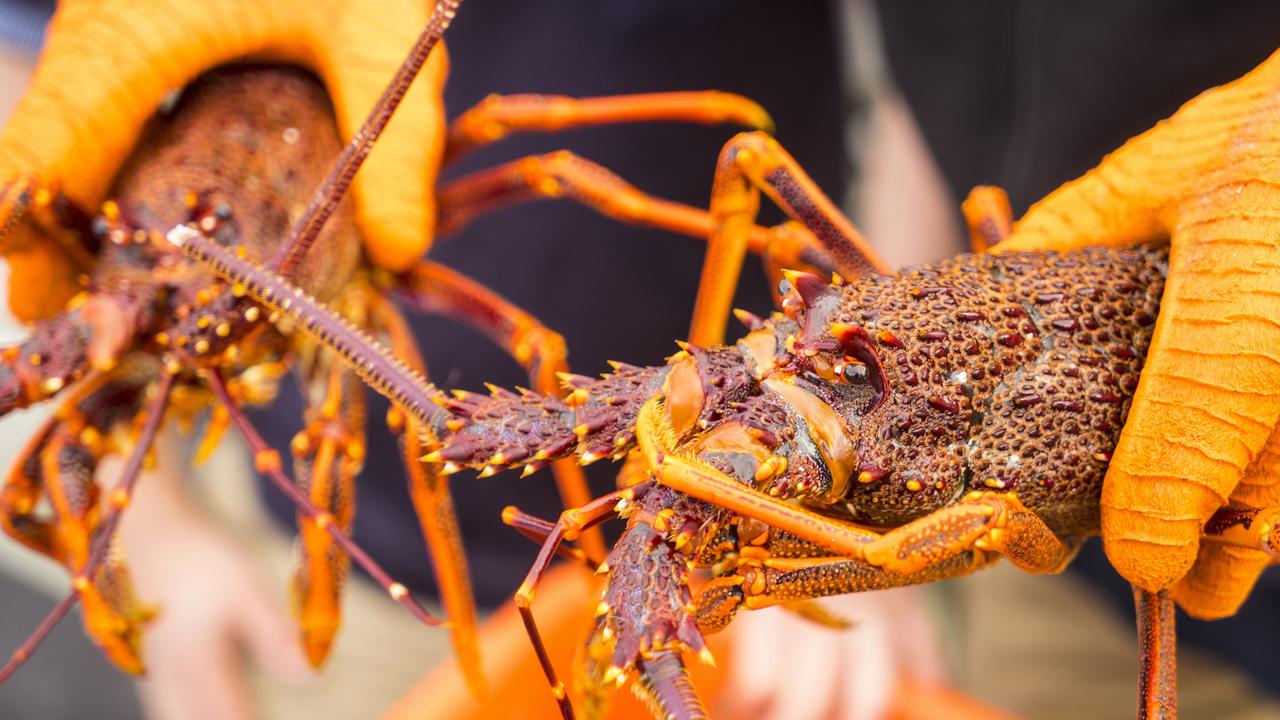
[[395, 189], [1209, 395], [1219, 581], [1223, 575]]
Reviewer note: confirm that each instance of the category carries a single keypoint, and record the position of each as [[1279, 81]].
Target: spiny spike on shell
[[749, 320], [811, 288], [613, 675]]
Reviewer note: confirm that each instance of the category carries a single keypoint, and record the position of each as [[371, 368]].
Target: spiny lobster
[[145, 330], [880, 431]]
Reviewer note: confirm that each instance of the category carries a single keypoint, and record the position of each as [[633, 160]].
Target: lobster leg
[[538, 530], [327, 456], [750, 163], [267, 462], [983, 521], [761, 580], [565, 175], [92, 331], [497, 116], [112, 617], [34, 222], [989, 217], [568, 527], [1158, 655], [433, 503], [540, 350]]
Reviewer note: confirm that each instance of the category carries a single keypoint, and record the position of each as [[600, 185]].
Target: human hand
[[1201, 432], [213, 610], [784, 666]]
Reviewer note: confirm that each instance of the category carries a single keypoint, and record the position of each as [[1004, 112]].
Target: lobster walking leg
[[989, 217], [983, 521], [538, 530], [565, 175], [267, 462], [118, 633], [540, 350], [327, 456], [433, 503], [90, 333], [571, 523], [763, 581], [1157, 655], [497, 116], [751, 163]]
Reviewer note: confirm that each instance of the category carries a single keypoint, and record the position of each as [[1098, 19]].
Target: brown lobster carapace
[[126, 331]]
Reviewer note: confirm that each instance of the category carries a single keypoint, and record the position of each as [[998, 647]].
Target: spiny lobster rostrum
[[126, 330]]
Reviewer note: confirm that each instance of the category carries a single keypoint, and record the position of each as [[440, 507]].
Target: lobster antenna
[[119, 500], [330, 193], [381, 370], [267, 461]]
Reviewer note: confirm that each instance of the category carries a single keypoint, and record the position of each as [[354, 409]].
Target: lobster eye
[[854, 372], [846, 369]]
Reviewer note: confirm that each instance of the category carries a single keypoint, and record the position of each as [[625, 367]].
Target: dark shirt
[[1028, 95]]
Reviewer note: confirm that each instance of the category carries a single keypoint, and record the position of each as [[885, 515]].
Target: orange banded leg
[[112, 617], [58, 468], [267, 462], [749, 164], [327, 456], [433, 504], [989, 217], [43, 234], [761, 580], [982, 521], [569, 526], [1158, 655], [538, 530], [540, 350], [566, 175], [497, 116]]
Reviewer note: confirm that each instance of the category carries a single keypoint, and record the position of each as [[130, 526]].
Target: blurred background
[[896, 109]]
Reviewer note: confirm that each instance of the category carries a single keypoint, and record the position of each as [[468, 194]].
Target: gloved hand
[[1202, 428]]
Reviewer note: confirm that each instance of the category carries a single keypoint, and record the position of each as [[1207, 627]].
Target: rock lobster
[[127, 331], [882, 430]]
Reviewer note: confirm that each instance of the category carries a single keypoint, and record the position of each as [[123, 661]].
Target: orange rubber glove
[[1201, 431]]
